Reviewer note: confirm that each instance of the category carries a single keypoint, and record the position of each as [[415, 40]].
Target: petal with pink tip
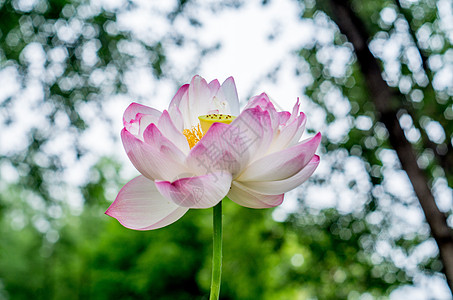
[[214, 86], [289, 135], [134, 108], [282, 186], [249, 198], [140, 206], [198, 99], [169, 130], [262, 100], [178, 96], [143, 122], [283, 164], [152, 161], [152, 136], [228, 97], [198, 191], [302, 120], [295, 112], [254, 126], [265, 104], [283, 117]]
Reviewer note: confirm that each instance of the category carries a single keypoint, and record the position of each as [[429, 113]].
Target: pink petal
[[283, 117], [295, 112], [261, 100], [154, 137], [134, 108], [265, 103], [283, 164], [157, 161], [197, 191], [140, 206], [214, 86], [249, 198], [221, 148], [289, 135], [301, 121], [144, 121], [178, 96], [282, 186], [169, 130], [254, 127], [228, 94]]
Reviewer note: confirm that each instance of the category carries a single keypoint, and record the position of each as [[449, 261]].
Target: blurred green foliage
[[50, 250], [313, 254]]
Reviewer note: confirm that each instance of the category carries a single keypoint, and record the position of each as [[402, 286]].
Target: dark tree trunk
[[444, 158], [387, 108]]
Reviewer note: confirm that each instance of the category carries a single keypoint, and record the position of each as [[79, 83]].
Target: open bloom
[[202, 149]]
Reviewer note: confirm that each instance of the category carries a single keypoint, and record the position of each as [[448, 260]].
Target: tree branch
[[387, 108], [445, 158]]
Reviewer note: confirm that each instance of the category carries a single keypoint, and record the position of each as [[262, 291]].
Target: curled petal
[[197, 191], [157, 161], [140, 206], [283, 164], [137, 117], [282, 186], [134, 108], [249, 198]]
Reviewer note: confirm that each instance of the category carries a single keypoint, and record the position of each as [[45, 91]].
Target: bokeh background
[[356, 230]]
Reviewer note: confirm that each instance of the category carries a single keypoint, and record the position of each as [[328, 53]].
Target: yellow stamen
[[193, 135]]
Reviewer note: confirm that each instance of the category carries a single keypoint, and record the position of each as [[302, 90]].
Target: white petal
[[140, 206], [282, 186], [249, 198], [227, 96], [283, 164], [170, 131]]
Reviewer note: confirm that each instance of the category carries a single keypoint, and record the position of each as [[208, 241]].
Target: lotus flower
[[202, 149]]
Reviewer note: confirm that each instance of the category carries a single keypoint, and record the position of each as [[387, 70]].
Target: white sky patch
[[246, 52], [9, 79], [435, 132]]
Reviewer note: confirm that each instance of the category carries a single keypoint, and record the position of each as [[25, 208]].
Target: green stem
[[217, 252]]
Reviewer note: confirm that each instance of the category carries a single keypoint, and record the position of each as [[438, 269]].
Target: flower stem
[[217, 252]]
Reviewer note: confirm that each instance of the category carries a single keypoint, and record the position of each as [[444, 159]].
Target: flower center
[[195, 134], [207, 120]]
